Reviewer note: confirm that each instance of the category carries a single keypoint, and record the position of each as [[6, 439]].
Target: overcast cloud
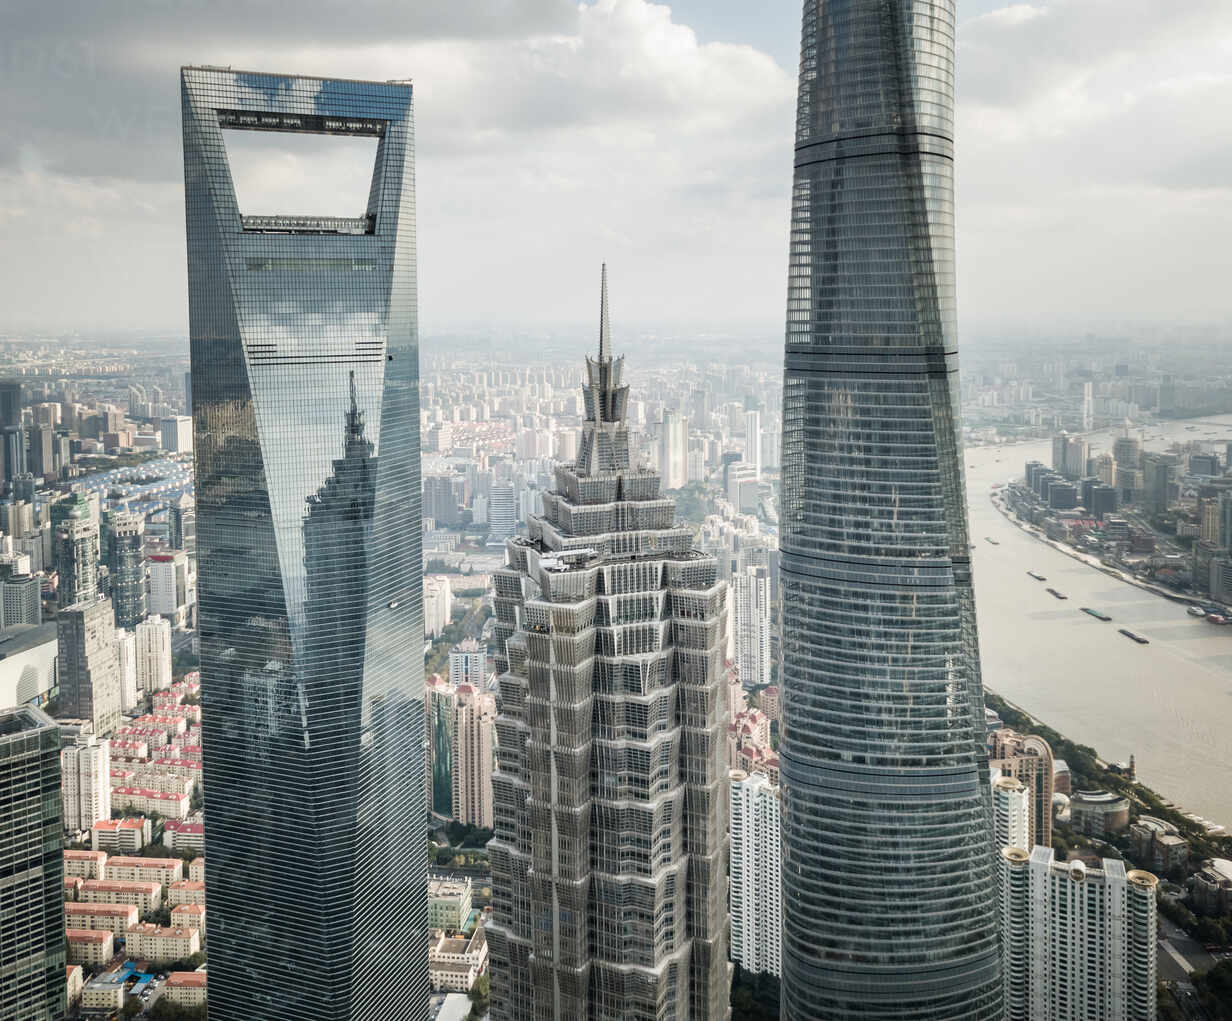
[[1094, 174]]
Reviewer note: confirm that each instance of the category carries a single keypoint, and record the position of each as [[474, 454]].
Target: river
[[1168, 703]]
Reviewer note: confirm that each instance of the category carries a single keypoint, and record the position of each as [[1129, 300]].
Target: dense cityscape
[[353, 671]]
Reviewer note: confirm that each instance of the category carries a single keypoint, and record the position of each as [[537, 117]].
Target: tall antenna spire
[[605, 327]]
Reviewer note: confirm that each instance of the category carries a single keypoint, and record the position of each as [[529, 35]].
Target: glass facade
[[32, 948], [306, 435], [124, 553], [888, 867]]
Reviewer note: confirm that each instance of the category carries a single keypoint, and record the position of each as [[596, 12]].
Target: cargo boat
[[1095, 613], [1054, 592], [1037, 577], [1137, 638]]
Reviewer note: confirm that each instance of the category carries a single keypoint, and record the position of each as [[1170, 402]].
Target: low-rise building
[[188, 916], [86, 864], [72, 887], [196, 870], [120, 835], [160, 944], [1212, 887], [184, 836], [186, 891], [94, 947], [165, 871], [1062, 779], [1158, 843], [185, 988], [104, 994], [769, 700], [115, 918], [449, 903], [149, 802], [73, 981], [1098, 813], [454, 963], [146, 897], [128, 750]]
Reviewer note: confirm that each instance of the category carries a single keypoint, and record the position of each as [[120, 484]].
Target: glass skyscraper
[[888, 865], [306, 416]]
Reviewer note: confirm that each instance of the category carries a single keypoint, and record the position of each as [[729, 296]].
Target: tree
[[479, 995], [132, 1008], [754, 997]]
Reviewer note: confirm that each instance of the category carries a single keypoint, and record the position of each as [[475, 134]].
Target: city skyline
[[1050, 205]]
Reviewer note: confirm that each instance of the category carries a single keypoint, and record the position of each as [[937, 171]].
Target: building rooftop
[[114, 825], [24, 637], [75, 855], [87, 935], [133, 861], [182, 979]]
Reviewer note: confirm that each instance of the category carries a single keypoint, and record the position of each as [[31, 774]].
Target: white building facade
[[755, 874], [85, 769], [153, 654], [1078, 943]]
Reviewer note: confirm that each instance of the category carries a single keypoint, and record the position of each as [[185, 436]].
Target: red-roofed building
[[90, 946], [196, 870], [146, 896], [187, 891], [184, 836], [188, 916], [86, 864], [169, 725], [165, 871], [769, 699], [115, 918], [120, 835], [134, 749], [73, 981], [141, 799], [158, 944], [72, 887], [185, 988]]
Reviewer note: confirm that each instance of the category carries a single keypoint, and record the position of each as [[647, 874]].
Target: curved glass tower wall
[[306, 417], [888, 868]]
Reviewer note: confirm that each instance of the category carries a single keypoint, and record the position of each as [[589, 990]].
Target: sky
[[1094, 155]]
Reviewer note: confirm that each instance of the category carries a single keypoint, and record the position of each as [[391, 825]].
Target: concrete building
[[1158, 843], [89, 670], [186, 988], [1098, 813], [85, 864], [502, 512], [196, 870], [750, 593], [32, 951], [159, 944], [188, 916], [172, 588], [438, 604], [1027, 758], [154, 654], [85, 771], [182, 525], [28, 674], [120, 836], [449, 903], [126, 664], [184, 836], [468, 664], [186, 891], [115, 918], [74, 980], [20, 601], [146, 870], [1011, 812], [473, 756], [145, 897], [168, 804], [91, 947], [1212, 890], [674, 450], [755, 888], [123, 536], [1078, 943], [769, 700], [455, 962], [177, 434]]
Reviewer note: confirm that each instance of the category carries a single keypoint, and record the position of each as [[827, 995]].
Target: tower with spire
[[609, 859]]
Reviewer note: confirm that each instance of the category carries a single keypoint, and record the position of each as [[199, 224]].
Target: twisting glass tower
[[888, 868], [306, 416], [609, 859]]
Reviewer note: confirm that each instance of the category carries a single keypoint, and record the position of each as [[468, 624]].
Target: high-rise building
[[76, 541], [172, 589], [33, 952], [1028, 759], [42, 451], [153, 654], [440, 723], [124, 532], [182, 525], [883, 714], [85, 770], [441, 499], [472, 748], [611, 801], [305, 402], [177, 434], [11, 403], [20, 601], [750, 592], [1127, 450], [1158, 473], [1088, 407], [126, 664], [752, 441], [468, 664], [1011, 812], [88, 667], [1078, 943], [674, 450], [502, 512], [756, 893]]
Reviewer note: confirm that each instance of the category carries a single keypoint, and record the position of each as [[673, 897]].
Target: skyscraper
[[32, 948], [76, 541], [609, 858], [750, 588], [752, 441], [674, 450], [85, 768], [1078, 943], [755, 877], [153, 654], [88, 665], [472, 770], [502, 512], [182, 525], [888, 862], [304, 377], [124, 532], [468, 664]]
